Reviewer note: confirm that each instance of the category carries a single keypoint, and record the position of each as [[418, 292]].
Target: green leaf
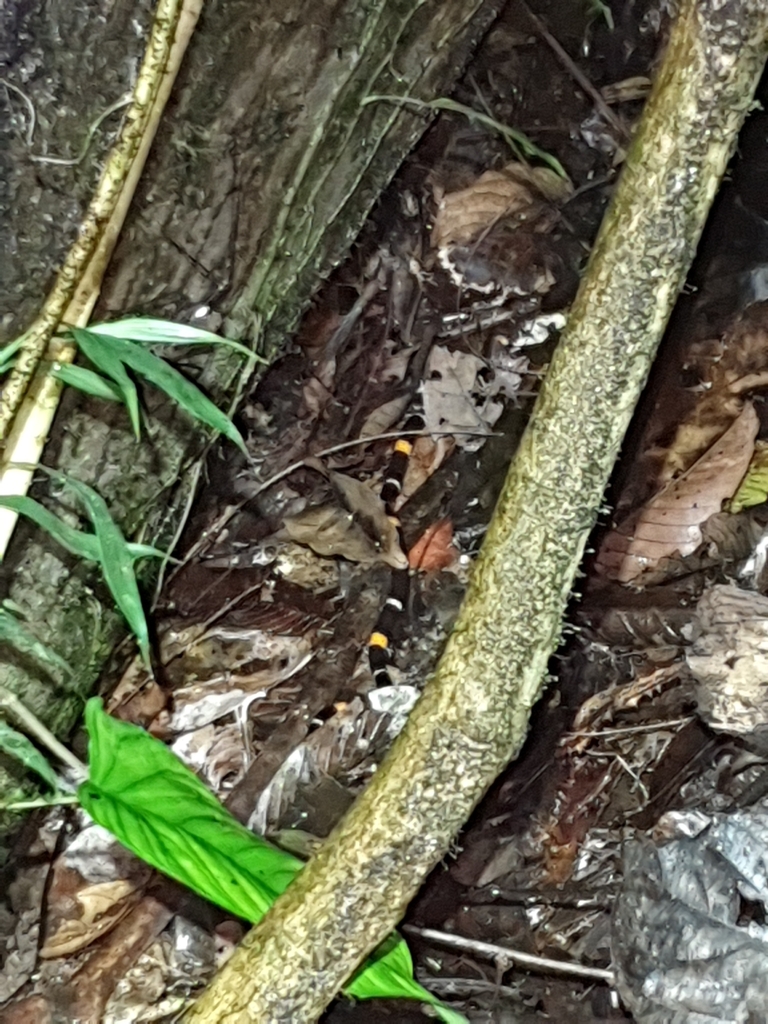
[[753, 489], [163, 332], [103, 355], [182, 391], [115, 557], [77, 542], [86, 380], [388, 974], [84, 545], [8, 354], [160, 810], [16, 635], [16, 745], [520, 144]]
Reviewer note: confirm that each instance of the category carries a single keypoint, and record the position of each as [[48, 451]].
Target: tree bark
[[263, 171], [474, 713]]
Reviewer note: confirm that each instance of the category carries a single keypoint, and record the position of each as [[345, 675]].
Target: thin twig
[[30, 107], [31, 724], [231, 510], [89, 135], [502, 954], [577, 74], [628, 729]]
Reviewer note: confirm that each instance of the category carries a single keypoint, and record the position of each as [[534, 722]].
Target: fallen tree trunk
[[473, 716], [261, 176]]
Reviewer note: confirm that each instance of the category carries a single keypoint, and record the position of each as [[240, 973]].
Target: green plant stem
[[32, 725]]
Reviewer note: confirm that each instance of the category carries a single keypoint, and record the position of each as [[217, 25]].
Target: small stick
[[502, 954], [576, 73], [31, 724]]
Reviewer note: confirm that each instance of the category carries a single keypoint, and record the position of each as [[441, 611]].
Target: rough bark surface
[[261, 175], [474, 713]]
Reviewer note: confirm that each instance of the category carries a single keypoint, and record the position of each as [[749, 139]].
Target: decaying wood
[[474, 713], [261, 176]]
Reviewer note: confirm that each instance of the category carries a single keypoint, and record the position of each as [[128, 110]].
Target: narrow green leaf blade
[[8, 354], [16, 635], [160, 810], [105, 357], [182, 391], [145, 551], [84, 545], [116, 560], [86, 380], [16, 745], [152, 331], [77, 542]]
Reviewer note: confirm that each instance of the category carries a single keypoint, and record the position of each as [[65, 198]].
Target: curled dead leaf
[[516, 190], [333, 532], [670, 523]]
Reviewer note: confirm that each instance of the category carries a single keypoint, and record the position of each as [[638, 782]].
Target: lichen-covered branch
[[473, 716]]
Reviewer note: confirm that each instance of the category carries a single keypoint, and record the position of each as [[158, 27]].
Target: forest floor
[[320, 578]]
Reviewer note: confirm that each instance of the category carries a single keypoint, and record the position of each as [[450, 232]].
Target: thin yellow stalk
[[30, 396]]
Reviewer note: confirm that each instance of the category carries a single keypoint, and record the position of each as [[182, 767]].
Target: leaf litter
[[451, 304]]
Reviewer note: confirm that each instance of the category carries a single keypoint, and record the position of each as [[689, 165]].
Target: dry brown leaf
[[726, 369], [516, 190], [730, 660], [226, 691], [369, 509], [384, 417], [454, 399], [96, 909], [215, 752], [94, 883], [334, 532], [426, 458], [330, 531], [670, 523]]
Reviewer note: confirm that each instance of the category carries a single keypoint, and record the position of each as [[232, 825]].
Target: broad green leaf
[[164, 332], [160, 810], [16, 745], [116, 559], [86, 380], [388, 974], [102, 354], [15, 634], [176, 386]]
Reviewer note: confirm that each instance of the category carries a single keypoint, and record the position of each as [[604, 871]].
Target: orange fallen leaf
[[435, 549]]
